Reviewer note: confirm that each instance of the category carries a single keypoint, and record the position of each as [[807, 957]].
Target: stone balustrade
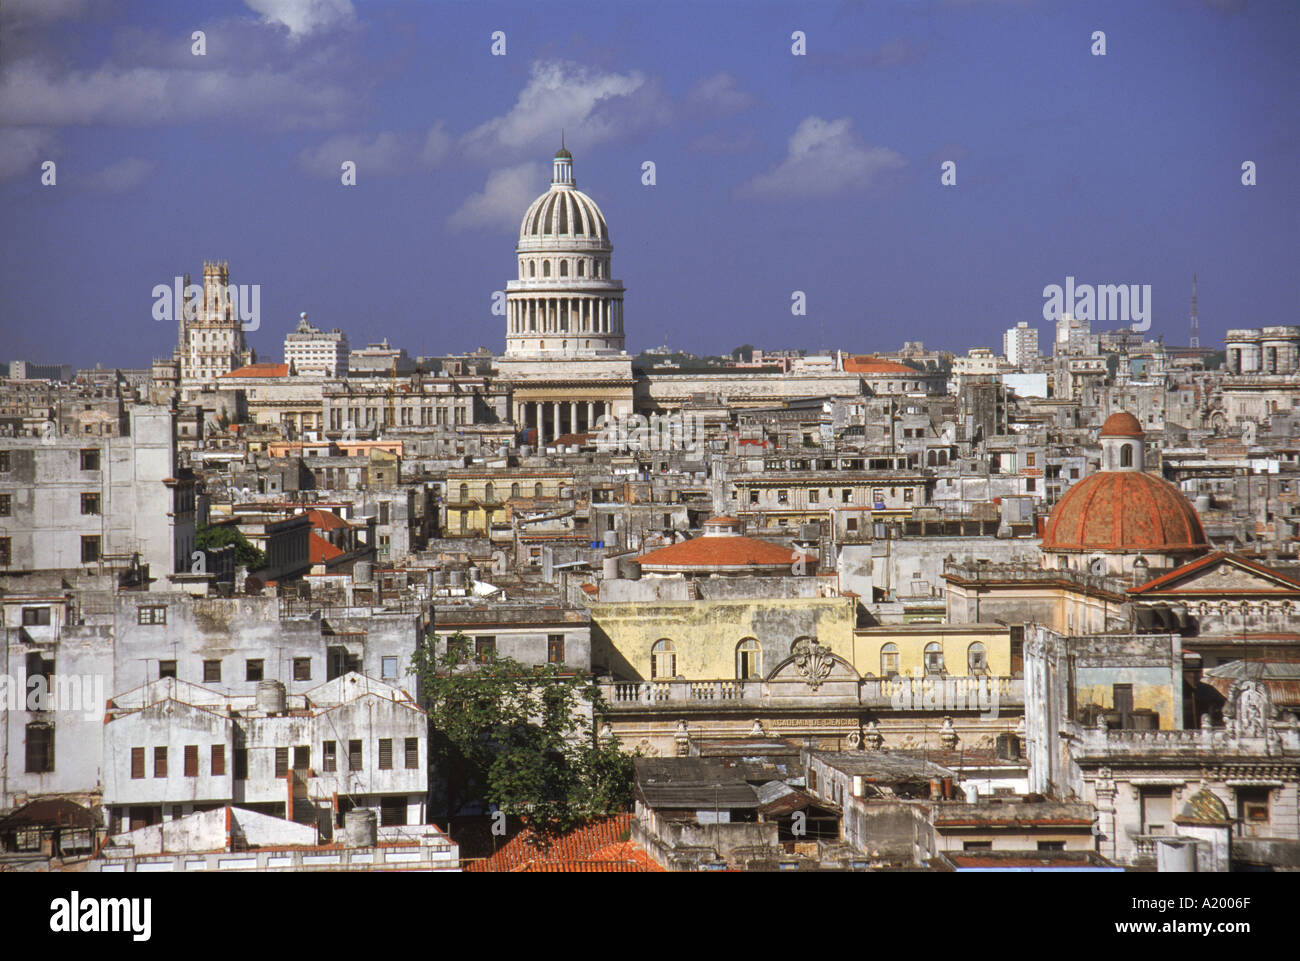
[[938, 694]]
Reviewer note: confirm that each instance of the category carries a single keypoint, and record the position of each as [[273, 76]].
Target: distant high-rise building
[[210, 333], [1020, 344], [309, 350]]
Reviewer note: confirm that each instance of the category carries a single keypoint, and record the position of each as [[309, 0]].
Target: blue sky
[[774, 172]]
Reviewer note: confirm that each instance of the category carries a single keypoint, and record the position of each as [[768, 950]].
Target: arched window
[[514, 490], [1126, 456], [581, 266], [564, 268], [532, 268], [977, 659], [747, 660], [464, 493], [932, 459], [663, 659], [888, 660], [537, 490], [488, 491], [934, 658], [546, 268]]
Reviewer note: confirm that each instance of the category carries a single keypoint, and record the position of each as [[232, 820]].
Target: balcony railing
[[937, 694]]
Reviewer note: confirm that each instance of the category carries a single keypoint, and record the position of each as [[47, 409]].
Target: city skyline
[[768, 164]]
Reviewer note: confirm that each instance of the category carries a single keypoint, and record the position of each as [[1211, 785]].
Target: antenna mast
[[1196, 334]]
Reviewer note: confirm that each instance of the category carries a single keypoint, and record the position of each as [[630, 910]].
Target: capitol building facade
[[565, 361]]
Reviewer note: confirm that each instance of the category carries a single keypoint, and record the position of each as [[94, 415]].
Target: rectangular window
[[6, 552], [212, 672], [1029, 460], [241, 764], [36, 617], [354, 755], [484, 648], [1029, 484], [385, 754], [151, 615], [218, 760], [6, 505], [753, 497], [166, 669], [40, 748], [388, 668], [301, 757], [90, 503], [1157, 810], [977, 845], [281, 761], [302, 668], [329, 756], [253, 669], [90, 459], [160, 762], [392, 811], [908, 494], [814, 496], [191, 760], [89, 548], [783, 497], [4, 462], [137, 762], [1051, 845], [555, 648], [412, 753], [846, 496]]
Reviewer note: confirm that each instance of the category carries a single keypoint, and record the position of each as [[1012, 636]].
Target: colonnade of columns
[[566, 315], [553, 418]]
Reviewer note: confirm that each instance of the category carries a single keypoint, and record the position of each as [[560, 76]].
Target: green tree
[[519, 737], [219, 535]]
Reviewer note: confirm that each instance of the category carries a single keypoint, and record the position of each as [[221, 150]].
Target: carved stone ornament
[[814, 664]]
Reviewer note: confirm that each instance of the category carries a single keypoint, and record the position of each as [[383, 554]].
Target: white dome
[[563, 213], [565, 302]]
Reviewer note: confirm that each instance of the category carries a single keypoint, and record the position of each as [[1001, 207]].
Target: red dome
[[1118, 511], [1121, 424]]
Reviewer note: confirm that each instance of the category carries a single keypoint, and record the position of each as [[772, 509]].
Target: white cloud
[[303, 16], [119, 176], [385, 154], [22, 150], [504, 199], [33, 92], [823, 158], [719, 93], [590, 105]]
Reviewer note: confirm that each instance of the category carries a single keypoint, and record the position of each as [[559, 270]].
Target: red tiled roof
[[320, 550], [732, 551], [326, 520], [870, 364], [576, 851], [1164, 580], [260, 370], [1121, 424], [1124, 511]]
